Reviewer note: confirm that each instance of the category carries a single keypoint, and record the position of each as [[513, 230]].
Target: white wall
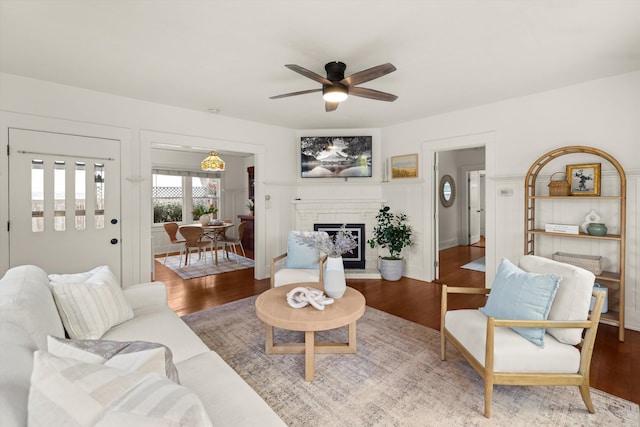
[[602, 113]]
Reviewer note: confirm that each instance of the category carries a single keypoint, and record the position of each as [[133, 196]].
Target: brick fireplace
[[337, 211]]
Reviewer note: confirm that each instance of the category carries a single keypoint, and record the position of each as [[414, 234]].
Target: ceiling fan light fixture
[[334, 93], [213, 163]]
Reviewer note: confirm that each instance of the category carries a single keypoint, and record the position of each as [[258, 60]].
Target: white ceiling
[[230, 55]]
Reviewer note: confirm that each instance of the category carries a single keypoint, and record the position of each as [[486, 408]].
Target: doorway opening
[[460, 220]]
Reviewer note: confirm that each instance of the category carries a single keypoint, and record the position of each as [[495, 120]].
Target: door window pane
[[99, 179], [81, 196], [59, 196], [37, 195]]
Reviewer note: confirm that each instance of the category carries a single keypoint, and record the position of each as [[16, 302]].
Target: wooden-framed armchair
[[299, 264], [500, 355]]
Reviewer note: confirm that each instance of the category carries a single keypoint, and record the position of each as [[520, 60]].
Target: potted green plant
[[202, 212], [392, 233]]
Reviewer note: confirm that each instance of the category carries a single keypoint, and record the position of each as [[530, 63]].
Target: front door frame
[[130, 272]]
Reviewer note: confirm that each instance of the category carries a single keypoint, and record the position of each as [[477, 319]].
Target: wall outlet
[[505, 192]]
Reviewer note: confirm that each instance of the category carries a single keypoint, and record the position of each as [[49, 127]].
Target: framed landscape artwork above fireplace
[[355, 259]]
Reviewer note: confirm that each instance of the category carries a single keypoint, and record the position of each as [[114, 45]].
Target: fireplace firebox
[[355, 259]]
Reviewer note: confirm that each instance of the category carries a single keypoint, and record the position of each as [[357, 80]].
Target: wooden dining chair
[[193, 240], [233, 242], [172, 231]]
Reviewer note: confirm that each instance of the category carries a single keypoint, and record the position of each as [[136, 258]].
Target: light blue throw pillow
[[300, 255], [518, 295]]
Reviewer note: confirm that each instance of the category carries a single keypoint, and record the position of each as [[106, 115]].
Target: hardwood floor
[[615, 366]]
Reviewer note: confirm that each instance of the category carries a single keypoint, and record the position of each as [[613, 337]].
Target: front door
[[64, 201]]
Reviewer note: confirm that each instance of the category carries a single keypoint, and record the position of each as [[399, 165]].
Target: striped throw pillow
[[139, 356], [69, 392], [89, 303]]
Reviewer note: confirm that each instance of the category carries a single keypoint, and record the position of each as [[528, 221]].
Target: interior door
[[64, 201], [475, 208], [435, 200]]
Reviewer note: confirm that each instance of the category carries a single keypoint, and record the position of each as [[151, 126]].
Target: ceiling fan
[[336, 87]]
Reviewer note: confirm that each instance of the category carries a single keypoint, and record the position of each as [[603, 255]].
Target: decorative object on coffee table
[[342, 242], [301, 297]]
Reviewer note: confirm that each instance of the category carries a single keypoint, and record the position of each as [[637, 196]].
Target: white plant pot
[[335, 283], [204, 219], [391, 269]]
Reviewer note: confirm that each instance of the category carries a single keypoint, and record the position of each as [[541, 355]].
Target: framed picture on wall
[[584, 179], [404, 166]]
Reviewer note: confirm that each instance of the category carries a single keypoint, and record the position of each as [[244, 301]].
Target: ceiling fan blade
[[368, 74], [331, 106], [372, 94], [302, 92], [310, 74]]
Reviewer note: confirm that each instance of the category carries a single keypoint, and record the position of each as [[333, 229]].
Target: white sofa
[[28, 314]]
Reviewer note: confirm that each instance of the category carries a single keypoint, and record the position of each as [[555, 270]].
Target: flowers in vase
[[334, 247]]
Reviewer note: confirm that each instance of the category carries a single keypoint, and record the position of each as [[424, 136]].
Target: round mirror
[[447, 191]]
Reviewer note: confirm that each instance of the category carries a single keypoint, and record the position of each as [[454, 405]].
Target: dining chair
[[193, 235], [172, 231], [232, 242]]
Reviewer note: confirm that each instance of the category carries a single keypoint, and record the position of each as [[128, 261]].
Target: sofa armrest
[[144, 294]]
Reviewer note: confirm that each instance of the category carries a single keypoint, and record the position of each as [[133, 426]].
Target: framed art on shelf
[[584, 179], [404, 166]]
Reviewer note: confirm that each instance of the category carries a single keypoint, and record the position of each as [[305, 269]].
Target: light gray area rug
[[476, 265], [395, 379], [199, 267]]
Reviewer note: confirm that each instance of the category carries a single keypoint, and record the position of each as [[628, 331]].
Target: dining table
[[214, 231]]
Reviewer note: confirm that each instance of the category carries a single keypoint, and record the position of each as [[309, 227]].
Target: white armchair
[[299, 264], [496, 348]]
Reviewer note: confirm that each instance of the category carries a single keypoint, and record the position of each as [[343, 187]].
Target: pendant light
[[213, 163]]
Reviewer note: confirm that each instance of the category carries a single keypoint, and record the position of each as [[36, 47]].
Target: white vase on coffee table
[[335, 283]]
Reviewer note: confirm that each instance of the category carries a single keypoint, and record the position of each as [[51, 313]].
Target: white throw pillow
[[89, 303], [138, 356], [69, 392], [572, 299]]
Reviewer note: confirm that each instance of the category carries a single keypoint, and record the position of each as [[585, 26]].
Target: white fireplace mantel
[[342, 211]]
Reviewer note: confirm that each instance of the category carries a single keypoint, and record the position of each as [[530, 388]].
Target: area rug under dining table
[[396, 378], [204, 266]]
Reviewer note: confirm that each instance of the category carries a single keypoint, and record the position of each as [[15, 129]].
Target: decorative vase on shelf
[[204, 219], [335, 283], [597, 229]]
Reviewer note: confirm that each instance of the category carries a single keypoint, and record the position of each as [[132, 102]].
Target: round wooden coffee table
[[272, 308]]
